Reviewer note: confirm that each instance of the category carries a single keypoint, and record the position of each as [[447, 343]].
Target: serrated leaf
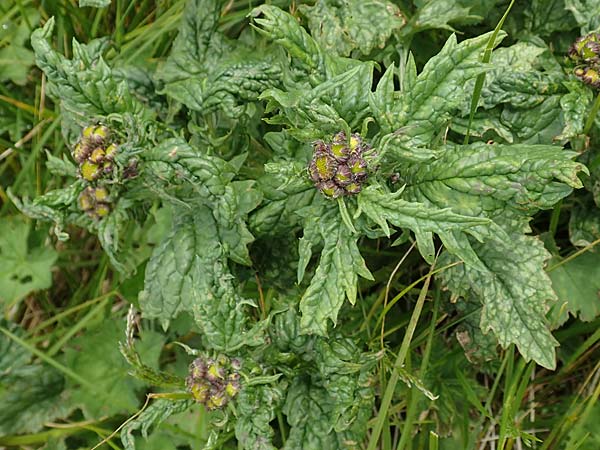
[[577, 282], [336, 276], [189, 272], [256, 406], [586, 13], [439, 89], [584, 224], [185, 170], [382, 207], [62, 167], [515, 293], [342, 26], [84, 85], [575, 107], [22, 270], [156, 413], [503, 182], [207, 72], [433, 14], [277, 213], [283, 28]]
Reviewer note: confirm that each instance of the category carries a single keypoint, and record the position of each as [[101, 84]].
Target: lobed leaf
[[514, 290]]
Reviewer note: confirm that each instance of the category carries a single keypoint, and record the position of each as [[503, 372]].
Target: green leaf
[[62, 167], [336, 275], [306, 407], [586, 13], [207, 72], [156, 413], [277, 213], [84, 85], [502, 182], [382, 207], [183, 170], [434, 14], [284, 29], [30, 394], [342, 26], [584, 224], [95, 356], [577, 283], [16, 59], [256, 406], [188, 272], [439, 90], [576, 108], [22, 270], [514, 290], [310, 411]]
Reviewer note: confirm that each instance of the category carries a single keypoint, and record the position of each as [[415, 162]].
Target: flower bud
[[236, 363], [586, 49], [80, 152], [198, 368], [200, 389], [353, 188], [86, 200], [90, 171], [111, 152], [343, 176], [97, 155], [330, 189], [589, 76], [215, 371], [323, 166], [102, 210]]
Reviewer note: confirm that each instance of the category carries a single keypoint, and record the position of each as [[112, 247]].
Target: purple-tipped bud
[[81, 151], [101, 210], [232, 388], [322, 167], [216, 401], [86, 200], [353, 188], [111, 152], [343, 176], [97, 155], [198, 368], [236, 364], [330, 189], [358, 166], [589, 76], [215, 371], [200, 390]]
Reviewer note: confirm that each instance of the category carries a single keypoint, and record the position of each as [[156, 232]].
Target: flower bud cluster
[[214, 382], [585, 52], [95, 201], [95, 153], [339, 168]]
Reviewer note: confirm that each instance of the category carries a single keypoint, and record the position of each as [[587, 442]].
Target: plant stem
[[590, 120]]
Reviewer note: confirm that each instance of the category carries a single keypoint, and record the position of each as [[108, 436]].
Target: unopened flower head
[[95, 153], [214, 381], [338, 168]]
